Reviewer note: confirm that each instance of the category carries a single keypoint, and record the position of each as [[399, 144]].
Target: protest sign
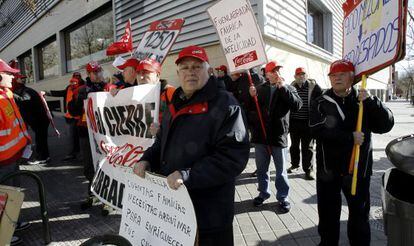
[[239, 34], [373, 34], [119, 134], [154, 214], [158, 40]]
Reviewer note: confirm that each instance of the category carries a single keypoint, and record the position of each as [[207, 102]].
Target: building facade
[[51, 39]]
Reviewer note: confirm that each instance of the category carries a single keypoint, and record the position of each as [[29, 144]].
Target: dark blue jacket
[[275, 113], [333, 130], [205, 138]]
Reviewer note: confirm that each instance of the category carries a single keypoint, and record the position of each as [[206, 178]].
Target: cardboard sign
[[158, 40], [154, 214], [119, 134], [239, 34], [11, 212], [374, 34]]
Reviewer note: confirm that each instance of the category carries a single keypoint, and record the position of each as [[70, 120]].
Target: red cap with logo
[[222, 68], [93, 66], [131, 62], [341, 66], [149, 64], [300, 70], [4, 67], [192, 51], [272, 66]]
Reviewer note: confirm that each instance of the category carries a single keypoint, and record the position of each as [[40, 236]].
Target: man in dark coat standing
[[333, 119], [203, 144], [276, 100], [34, 114]]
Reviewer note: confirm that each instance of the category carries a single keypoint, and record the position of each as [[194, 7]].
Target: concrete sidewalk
[[66, 187]]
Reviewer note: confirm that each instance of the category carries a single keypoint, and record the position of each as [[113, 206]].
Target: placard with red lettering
[[374, 34], [119, 134], [154, 214], [158, 40], [239, 34]]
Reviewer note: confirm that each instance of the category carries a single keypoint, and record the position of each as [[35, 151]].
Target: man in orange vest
[[68, 94], [14, 138]]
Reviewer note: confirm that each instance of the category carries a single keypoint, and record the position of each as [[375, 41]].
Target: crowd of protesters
[[222, 115]]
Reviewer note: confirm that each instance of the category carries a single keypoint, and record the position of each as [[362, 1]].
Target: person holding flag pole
[[333, 117]]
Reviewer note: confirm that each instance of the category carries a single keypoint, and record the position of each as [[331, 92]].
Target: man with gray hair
[[203, 144], [333, 118]]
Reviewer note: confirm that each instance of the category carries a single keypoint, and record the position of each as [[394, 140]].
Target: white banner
[[154, 214], [158, 40], [373, 34], [239, 34], [119, 134]]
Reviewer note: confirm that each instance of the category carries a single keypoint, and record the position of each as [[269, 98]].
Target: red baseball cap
[[271, 66], [192, 51], [222, 68], [93, 66], [149, 64], [131, 62], [341, 66], [4, 67], [300, 70]]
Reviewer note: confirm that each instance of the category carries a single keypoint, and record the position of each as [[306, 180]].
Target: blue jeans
[[263, 174]]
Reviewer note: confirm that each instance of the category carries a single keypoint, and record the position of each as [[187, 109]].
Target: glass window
[[89, 42], [48, 60], [319, 25], [26, 66]]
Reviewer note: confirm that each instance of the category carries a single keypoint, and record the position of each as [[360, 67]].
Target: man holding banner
[[202, 144], [276, 100], [333, 118]]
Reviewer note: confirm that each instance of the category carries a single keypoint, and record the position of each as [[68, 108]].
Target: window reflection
[[48, 60], [89, 42], [26, 66]]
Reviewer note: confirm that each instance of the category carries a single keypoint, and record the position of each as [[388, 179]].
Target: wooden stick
[[357, 147]]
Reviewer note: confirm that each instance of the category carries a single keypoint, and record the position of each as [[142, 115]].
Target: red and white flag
[[122, 46]]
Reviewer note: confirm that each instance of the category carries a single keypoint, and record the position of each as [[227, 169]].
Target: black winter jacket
[[204, 138], [333, 130], [31, 107], [275, 116]]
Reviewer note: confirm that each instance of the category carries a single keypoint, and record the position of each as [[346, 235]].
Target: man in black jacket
[[301, 140], [94, 83], [34, 114], [276, 99], [333, 120], [203, 144]]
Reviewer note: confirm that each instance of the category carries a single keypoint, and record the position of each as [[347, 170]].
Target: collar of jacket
[[95, 86], [351, 96], [198, 103]]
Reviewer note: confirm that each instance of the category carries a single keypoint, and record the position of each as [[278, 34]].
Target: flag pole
[[357, 146], [259, 112]]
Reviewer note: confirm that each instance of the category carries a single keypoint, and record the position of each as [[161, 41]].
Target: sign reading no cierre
[[374, 33], [239, 34]]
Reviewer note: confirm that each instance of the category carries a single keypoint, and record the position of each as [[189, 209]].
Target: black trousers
[[42, 147], [88, 167], [73, 136], [217, 238], [329, 210], [301, 142]]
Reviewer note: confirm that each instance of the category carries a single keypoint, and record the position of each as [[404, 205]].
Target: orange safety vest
[[165, 100], [69, 97], [13, 132]]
